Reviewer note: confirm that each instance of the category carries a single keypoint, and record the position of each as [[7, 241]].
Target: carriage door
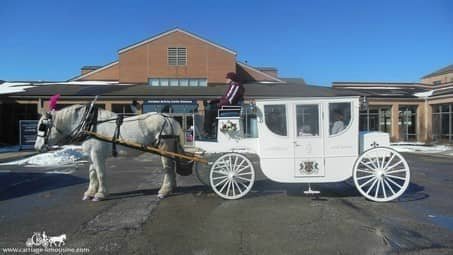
[[308, 140]]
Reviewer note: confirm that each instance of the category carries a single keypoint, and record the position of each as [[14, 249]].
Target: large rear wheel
[[381, 174]]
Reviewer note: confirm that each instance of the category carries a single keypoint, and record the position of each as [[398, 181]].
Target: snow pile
[[14, 87], [424, 94], [422, 148], [69, 155]]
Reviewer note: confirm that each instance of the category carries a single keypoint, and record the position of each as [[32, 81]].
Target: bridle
[[78, 134]]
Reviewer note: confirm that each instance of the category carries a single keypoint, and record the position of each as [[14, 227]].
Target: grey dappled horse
[[57, 127]]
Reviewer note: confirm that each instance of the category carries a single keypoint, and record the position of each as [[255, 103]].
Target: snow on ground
[[68, 156], [422, 148]]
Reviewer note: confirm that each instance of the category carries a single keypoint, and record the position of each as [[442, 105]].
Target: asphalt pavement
[[272, 219]]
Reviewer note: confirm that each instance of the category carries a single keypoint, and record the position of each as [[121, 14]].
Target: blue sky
[[321, 41]]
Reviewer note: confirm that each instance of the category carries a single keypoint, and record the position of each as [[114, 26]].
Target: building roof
[[444, 70], [385, 89], [266, 68], [155, 37], [256, 90], [100, 68], [90, 67]]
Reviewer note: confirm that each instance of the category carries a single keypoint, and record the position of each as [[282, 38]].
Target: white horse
[[57, 241], [59, 127]]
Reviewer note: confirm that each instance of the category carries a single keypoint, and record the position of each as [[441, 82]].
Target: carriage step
[[310, 191]]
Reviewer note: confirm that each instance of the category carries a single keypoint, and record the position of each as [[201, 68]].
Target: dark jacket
[[233, 95]]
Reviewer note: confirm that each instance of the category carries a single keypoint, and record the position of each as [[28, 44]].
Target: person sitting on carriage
[[338, 125], [232, 96]]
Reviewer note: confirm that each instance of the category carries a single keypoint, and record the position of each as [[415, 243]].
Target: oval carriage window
[[339, 117], [275, 118]]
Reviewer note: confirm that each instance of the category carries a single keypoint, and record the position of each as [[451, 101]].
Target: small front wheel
[[381, 174], [232, 176]]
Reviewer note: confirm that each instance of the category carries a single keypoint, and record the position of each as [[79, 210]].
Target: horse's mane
[[102, 114]]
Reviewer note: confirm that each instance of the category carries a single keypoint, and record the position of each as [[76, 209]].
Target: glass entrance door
[[408, 123]]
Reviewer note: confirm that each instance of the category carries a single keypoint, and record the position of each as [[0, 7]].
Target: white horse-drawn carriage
[[302, 140], [298, 140]]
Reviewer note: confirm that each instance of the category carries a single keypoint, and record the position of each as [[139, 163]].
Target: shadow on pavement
[[15, 185]]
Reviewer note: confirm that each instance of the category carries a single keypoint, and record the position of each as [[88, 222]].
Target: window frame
[[286, 120], [296, 134], [350, 121]]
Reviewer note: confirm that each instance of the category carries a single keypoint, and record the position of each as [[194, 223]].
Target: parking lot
[[273, 219]]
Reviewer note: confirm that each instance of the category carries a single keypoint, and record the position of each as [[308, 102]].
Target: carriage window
[[339, 117], [275, 116], [307, 120]]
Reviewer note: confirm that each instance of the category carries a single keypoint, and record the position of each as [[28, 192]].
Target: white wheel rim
[[232, 176], [381, 174]]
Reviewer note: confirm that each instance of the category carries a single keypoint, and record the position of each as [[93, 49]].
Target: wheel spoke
[[232, 187], [219, 183], [242, 178], [220, 177], [372, 162], [390, 160], [376, 193], [248, 173], [240, 182], [383, 188], [396, 171], [365, 171], [239, 166], [389, 186], [394, 183], [395, 177], [366, 176], [221, 172], [237, 186], [224, 185], [394, 165], [372, 185], [242, 169], [367, 166], [382, 155], [365, 183]]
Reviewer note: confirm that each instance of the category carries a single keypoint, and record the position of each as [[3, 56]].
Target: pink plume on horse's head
[[53, 101]]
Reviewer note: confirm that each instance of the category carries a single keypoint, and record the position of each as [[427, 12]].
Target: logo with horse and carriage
[[41, 239]]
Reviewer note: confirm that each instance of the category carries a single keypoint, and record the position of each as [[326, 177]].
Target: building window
[[442, 124], [174, 82], [376, 119], [437, 82], [408, 123], [177, 56]]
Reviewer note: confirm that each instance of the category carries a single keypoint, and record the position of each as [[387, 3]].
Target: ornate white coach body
[[303, 140]]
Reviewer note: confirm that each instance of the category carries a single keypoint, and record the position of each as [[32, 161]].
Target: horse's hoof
[[87, 198], [96, 199]]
